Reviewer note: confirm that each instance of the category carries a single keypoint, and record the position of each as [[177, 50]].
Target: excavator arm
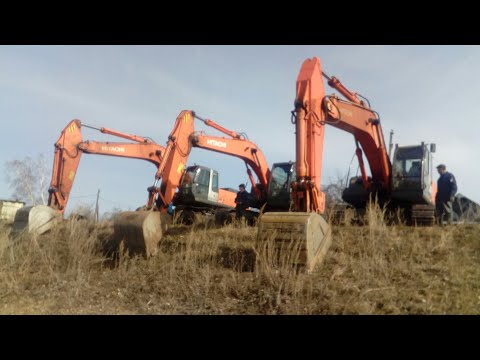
[[312, 111], [242, 149], [70, 147], [309, 131], [363, 123], [238, 146]]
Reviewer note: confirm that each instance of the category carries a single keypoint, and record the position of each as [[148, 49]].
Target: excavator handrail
[[108, 131], [220, 128]]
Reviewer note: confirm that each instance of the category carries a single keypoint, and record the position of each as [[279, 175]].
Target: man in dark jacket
[[242, 200], [446, 190]]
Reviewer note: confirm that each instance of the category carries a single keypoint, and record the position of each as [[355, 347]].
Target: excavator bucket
[[298, 238], [35, 219], [140, 231]]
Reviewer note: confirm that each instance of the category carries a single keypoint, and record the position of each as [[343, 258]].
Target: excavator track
[[300, 239], [423, 215]]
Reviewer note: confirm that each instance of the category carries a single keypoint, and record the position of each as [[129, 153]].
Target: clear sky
[[423, 93]]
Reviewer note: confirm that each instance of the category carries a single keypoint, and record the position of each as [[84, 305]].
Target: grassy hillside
[[373, 269]]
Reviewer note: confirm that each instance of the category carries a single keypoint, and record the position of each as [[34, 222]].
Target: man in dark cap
[[242, 200], [446, 190]]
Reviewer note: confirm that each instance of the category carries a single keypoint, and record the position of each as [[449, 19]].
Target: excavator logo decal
[[186, 118], [71, 175], [216, 143], [346, 112], [72, 128], [113, 148]]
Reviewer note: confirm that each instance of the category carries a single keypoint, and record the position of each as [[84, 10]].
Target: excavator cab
[[199, 187], [412, 172], [279, 195]]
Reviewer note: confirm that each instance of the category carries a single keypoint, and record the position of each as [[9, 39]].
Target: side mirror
[[433, 148]]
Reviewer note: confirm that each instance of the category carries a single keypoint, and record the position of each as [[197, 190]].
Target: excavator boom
[[302, 237], [243, 149]]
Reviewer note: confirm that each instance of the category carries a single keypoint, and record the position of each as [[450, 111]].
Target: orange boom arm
[[69, 149]]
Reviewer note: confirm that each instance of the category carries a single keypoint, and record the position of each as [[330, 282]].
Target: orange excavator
[[68, 151], [180, 142], [197, 190], [142, 230], [402, 186], [170, 162]]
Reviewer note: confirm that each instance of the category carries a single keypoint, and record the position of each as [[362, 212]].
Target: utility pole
[[390, 146], [96, 206]]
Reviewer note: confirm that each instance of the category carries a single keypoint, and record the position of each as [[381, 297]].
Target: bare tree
[[28, 178]]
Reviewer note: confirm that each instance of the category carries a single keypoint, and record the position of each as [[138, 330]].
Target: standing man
[[242, 201], [446, 190]]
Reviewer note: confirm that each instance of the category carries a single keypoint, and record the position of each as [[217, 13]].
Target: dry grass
[[371, 269]]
